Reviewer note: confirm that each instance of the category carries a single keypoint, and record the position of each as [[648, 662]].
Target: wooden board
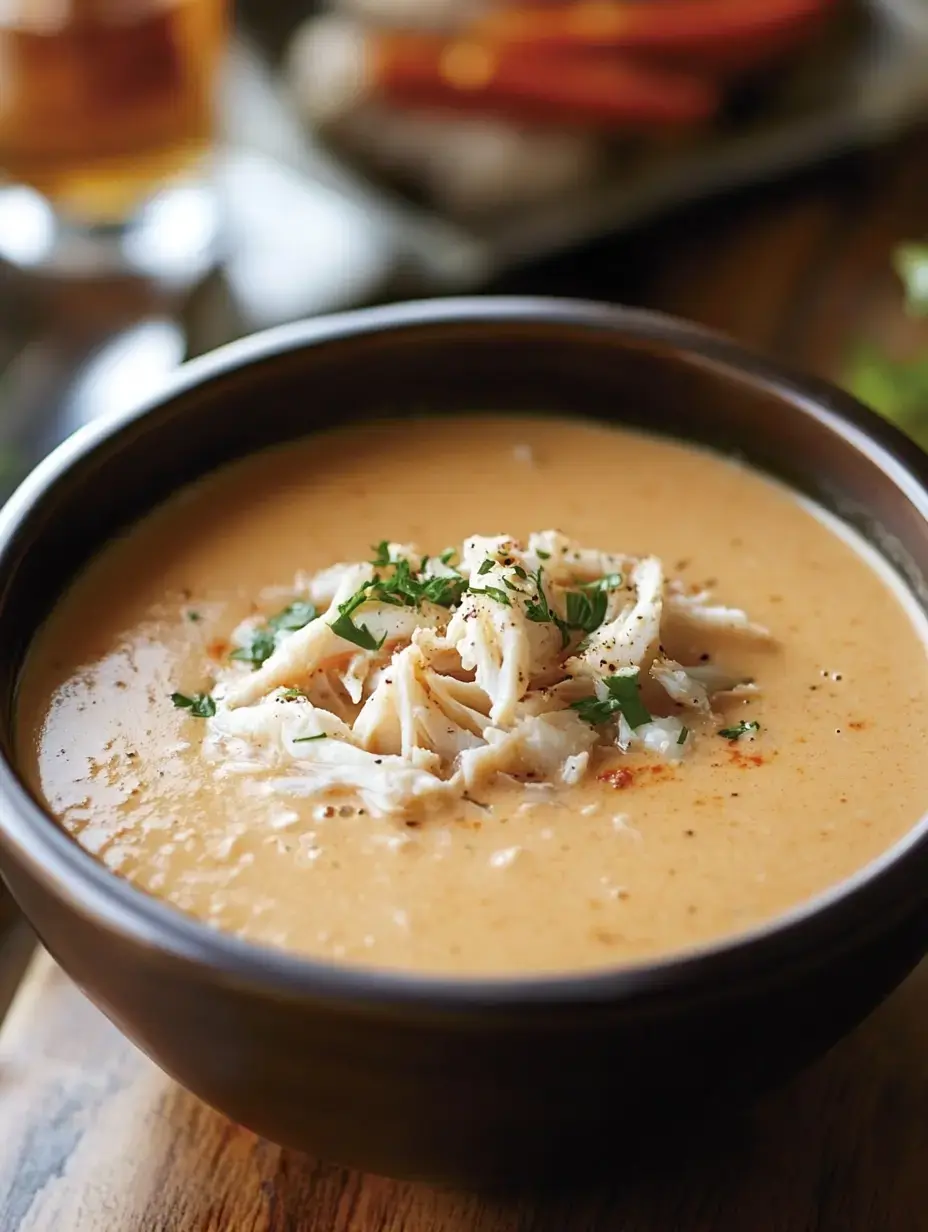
[[94, 1139]]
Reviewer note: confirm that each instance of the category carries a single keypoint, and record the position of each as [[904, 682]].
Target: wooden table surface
[[94, 1139]]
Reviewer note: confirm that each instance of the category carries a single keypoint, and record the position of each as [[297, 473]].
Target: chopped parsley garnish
[[684, 732], [594, 711], [200, 705], [445, 591], [543, 555], [381, 554], [294, 616], [294, 695], [195, 617], [586, 607], [263, 641], [447, 556], [494, 592], [344, 626], [586, 611], [624, 697], [307, 739], [486, 566], [540, 611], [745, 727], [259, 648], [609, 581], [404, 588]]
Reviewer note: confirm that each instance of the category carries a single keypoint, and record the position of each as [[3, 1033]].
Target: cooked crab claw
[[709, 34], [429, 72]]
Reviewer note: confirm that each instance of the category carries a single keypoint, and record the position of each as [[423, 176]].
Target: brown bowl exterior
[[7, 909], [477, 1080]]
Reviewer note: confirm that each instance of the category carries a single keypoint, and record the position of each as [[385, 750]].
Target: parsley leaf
[[586, 611], [743, 728], [401, 588], [494, 592], [263, 640], [258, 650], [447, 556], [624, 691], [624, 697], [405, 589], [294, 695], [486, 566], [381, 554], [539, 610], [294, 616], [586, 607], [609, 581], [684, 732], [594, 711], [200, 705], [445, 591], [307, 739], [344, 626], [543, 555]]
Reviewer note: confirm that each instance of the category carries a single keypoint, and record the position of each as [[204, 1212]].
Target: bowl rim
[[75, 876]]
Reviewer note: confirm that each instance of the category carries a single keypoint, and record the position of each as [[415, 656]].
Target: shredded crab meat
[[624, 641], [421, 679], [698, 609], [566, 562]]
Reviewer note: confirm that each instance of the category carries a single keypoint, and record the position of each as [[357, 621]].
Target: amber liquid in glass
[[103, 101]]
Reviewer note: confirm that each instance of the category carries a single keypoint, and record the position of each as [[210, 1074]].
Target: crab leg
[[710, 32], [463, 75]]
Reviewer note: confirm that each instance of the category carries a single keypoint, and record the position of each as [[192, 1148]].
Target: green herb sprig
[[585, 608], [344, 626], [624, 697], [540, 611], [493, 592], [745, 727], [403, 587], [294, 616], [263, 640], [200, 705]]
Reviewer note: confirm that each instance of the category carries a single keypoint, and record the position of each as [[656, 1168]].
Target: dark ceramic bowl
[[474, 1080]]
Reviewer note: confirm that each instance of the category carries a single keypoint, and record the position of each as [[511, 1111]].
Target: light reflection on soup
[[647, 859]]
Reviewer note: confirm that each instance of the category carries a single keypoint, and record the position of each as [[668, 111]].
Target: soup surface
[[642, 856]]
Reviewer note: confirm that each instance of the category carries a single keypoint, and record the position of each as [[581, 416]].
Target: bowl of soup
[[470, 740]]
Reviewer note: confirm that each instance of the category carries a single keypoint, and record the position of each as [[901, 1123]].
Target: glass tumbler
[[106, 129]]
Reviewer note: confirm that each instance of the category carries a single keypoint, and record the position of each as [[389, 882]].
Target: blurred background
[[178, 173]]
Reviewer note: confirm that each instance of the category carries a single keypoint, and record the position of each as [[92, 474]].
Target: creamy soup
[[738, 767]]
